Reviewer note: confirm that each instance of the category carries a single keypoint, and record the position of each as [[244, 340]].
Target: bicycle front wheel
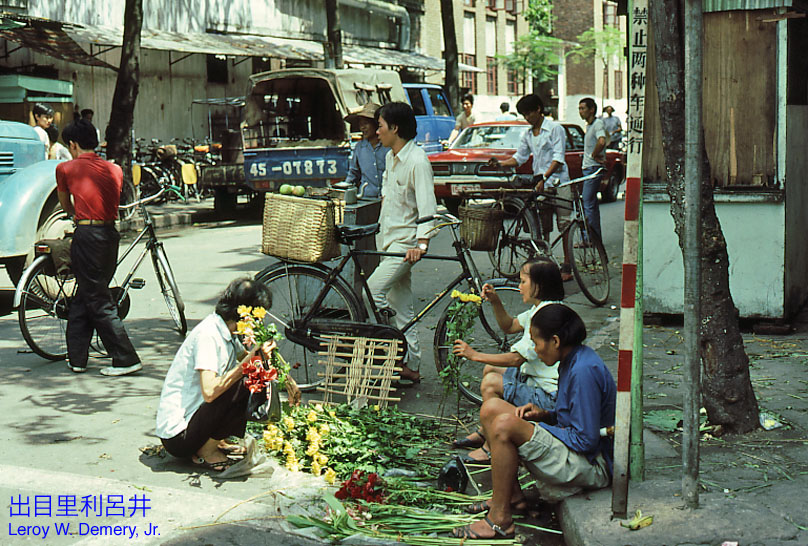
[[515, 241], [485, 337], [589, 262], [168, 286], [44, 307], [294, 290]]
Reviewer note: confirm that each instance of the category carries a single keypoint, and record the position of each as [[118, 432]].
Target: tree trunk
[[119, 129], [726, 387], [452, 85], [334, 34]]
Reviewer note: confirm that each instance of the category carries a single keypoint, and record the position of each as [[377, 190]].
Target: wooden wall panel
[[739, 100], [740, 96]]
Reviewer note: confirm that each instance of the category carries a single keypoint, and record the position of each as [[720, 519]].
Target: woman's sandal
[[233, 450], [218, 466], [518, 508], [468, 443], [469, 460], [466, 532]]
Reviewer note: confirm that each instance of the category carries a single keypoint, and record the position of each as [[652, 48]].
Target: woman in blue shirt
[[564, 451]]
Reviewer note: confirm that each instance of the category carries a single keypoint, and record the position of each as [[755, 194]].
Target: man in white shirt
[[506, 114], [546, 141], [43, 118], [594, 158], [613, 126], [408, 193]]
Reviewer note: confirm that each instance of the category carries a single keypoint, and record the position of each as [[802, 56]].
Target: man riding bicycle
[[546, 141]]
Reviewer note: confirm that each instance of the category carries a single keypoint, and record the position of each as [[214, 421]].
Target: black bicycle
[[45, 291], [521, 237], [312, 300]]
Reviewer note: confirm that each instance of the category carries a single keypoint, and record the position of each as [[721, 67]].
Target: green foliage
[[371, 439], [462, 316], [534, 55], [539, 16], [603, 44]]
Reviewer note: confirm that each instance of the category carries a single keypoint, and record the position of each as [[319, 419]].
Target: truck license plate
[[457, 189]]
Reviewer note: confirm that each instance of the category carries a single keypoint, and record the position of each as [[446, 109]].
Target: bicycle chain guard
[[310, 335]]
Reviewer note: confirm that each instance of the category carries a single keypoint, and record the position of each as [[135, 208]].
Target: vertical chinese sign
[[629, 311]]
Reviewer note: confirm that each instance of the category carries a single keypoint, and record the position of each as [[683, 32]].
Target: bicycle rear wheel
[[589, 262], [44, 307], [485, 337], [294, 289], [515, 242], [168, 286]]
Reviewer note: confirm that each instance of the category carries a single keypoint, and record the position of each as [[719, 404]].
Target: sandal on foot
[[466, 532], [218, 466], [519, 508], [233, 450], [469, 443], [467, 459]]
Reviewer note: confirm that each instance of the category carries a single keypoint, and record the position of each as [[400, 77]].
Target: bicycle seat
[[347, 233]]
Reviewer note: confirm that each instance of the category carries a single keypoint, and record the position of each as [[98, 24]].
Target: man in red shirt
[[95, 187]]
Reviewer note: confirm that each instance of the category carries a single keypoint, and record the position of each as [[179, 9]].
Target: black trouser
[[225, 416], [94, 254]]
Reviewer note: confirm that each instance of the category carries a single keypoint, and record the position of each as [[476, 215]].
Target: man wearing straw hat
[[368, 159]]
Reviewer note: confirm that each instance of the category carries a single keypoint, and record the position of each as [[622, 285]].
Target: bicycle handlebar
[[438, 216], [142, 201]]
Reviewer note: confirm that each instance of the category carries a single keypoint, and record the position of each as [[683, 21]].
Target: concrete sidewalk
[[753, 486]]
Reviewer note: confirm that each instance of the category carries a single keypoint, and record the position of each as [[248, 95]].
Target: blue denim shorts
[[519, 393]]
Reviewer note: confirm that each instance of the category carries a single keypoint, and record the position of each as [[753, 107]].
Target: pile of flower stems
[[395, 523]]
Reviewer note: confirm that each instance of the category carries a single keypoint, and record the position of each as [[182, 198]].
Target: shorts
[[559, 471], [519, 393]]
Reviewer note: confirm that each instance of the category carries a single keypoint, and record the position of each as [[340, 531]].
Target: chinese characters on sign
[[636, 100]]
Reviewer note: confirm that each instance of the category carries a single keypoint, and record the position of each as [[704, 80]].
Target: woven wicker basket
[[299, 229], [480, 226]]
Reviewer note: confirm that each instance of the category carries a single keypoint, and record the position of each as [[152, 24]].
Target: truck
[[293, 129], [29, 206]]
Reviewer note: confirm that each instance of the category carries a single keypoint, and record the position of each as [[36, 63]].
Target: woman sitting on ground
[[204, 400], [518, 376], [564, 451]]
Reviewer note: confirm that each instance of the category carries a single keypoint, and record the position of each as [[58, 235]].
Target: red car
[[462, 167]]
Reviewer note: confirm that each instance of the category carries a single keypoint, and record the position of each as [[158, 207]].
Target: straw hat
[[366, 111]]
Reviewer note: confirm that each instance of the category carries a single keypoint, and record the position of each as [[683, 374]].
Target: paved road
[[80, 434]]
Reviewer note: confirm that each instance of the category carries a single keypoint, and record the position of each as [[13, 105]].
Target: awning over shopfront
[[61, 40], [48, 38]]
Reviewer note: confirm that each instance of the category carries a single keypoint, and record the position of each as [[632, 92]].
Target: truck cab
[[294, 128], [29, 205], [432, 112]]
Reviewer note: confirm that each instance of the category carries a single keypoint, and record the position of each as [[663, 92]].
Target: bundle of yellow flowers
[[290, 446], [466, 298]]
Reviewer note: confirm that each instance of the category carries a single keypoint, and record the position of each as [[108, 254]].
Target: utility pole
[[694, 147], [333, 46]]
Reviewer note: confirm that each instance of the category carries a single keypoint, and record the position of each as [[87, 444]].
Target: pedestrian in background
[[89, 189], [613, 126], [43, 118], [367, 162], [505, 114], [408, 193], [594, 158], [89, 115], [56, 150], [546, 142], [465, 118]]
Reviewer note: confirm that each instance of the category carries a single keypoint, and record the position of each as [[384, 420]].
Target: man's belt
[[95, 222]]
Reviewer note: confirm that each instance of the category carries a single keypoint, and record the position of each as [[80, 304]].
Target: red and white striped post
[[638, 39]]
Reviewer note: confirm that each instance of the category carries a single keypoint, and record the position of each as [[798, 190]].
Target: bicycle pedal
[[137, 284]]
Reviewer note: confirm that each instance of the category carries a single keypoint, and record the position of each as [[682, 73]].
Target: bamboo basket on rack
[[300, 229], [480, 226]]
